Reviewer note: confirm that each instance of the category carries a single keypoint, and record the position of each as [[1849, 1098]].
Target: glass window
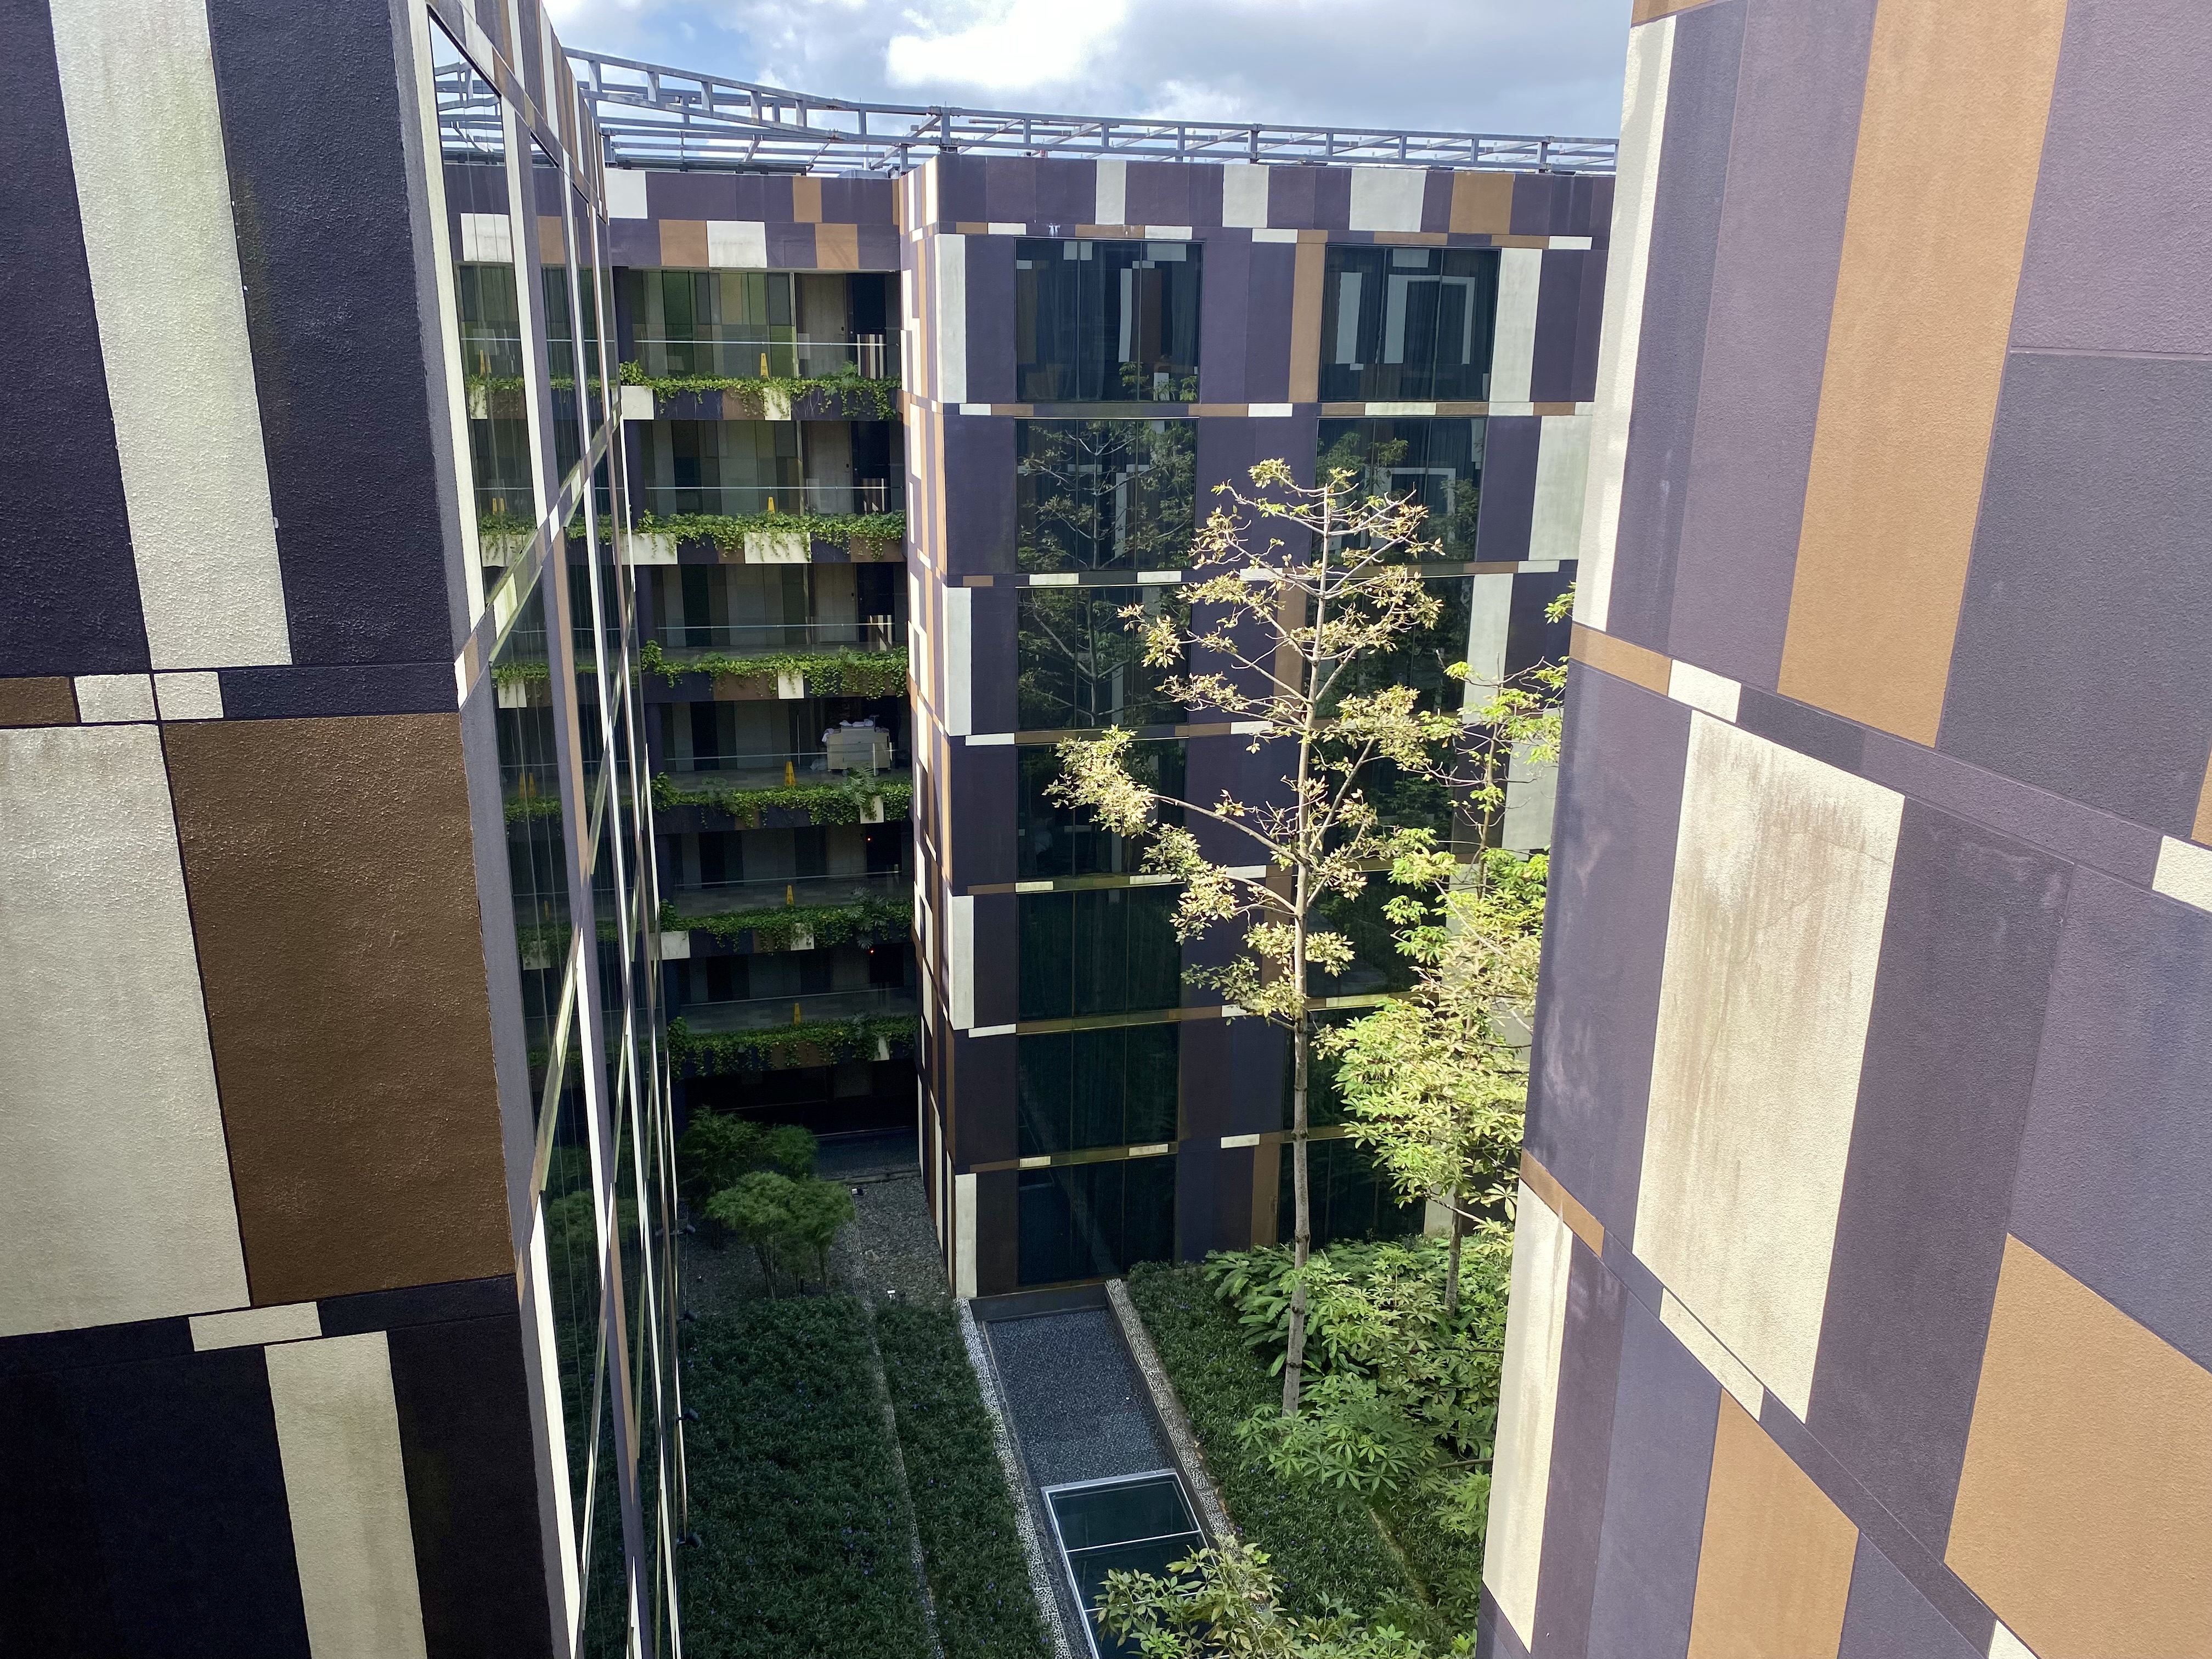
[[1063, 841], [1349, 1200], [1078, 664], [530, 786], [1085, 1088], [1105, 495], [1435, 463], [1412, 322], [728, 467], [1095, 1220], [1103, 950], [588, 295], [720, 325], [480, 231], [1097, 322], [549, 193]]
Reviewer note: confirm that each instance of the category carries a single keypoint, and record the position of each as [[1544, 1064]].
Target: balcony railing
[[771, 639], [738, 354], [764, 1013], [861, 495], [715, 898], [769, 771]]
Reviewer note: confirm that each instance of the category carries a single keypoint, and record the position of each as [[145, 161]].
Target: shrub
[[803, 1528], [977, 1572], [786, 1222], [1322, 1541]]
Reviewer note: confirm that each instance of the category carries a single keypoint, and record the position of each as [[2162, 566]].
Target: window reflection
[[1065, 840], [1435, 463], [1085, 1088], [1094, 1220], [1079, 664], [1105, 495], [549, 201], [1411, 323], [1097, 322], [1098, 950]]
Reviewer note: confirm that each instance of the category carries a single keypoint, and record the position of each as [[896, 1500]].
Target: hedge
[[803, 1529], [977, 1572], [1321, 1541]]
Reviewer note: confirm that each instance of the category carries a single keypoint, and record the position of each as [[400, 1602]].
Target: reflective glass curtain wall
[[530, 287]]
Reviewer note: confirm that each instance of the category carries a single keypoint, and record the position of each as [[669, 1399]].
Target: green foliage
[[718, 1053], [849, 392], [876, 916], [1224, 1603], [787, 1223], [1406, 1407], [804, 1547], [727, 531], [528, 671], [1322, 1541], [717, 1148], [977, 1573], [825, 803], [829, 673]]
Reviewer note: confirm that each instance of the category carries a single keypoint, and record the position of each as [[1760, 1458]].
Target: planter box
[[775, 546], [790, 687], [650, 547]]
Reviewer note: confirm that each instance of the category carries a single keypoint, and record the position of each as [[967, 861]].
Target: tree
[[816, 1209], [1276, 632], [1221, 1603], [715, 1151], [779, 1218]]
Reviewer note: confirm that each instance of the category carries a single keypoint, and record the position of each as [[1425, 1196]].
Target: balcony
[[719, 898], [852, 497], [752, 355], [823, 1008]]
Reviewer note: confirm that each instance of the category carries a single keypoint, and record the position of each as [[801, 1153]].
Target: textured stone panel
[[1527, 1401], [1774, 1570]]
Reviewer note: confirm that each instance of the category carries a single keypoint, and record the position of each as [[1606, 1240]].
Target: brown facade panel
[[45, 700], [328, 867], [683, 244], [1958, 94]]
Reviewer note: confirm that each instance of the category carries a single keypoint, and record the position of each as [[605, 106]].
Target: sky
[[1524, 66]]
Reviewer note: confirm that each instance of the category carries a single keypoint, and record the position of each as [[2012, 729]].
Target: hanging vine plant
[[723, 1053], [728, 531], [828, 673], [772, 926], [850, 392], [825, 803]]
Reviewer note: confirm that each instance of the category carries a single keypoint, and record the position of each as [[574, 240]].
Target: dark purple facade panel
[[1531, 636], [998, 1231], [1260, 1056], [1159, 193], [1665, 1410], [1779, 240], [1494, 1635], [1559, 320], [2077, 833], [861, 202], [1886, 1619], [2088, 591], [2131, 80], [960, 189], [1226, 320], [1590, 208], [464, 1410], [979, 495], [1436, 201], [72, 608], [790, 247], [878, 246], [633, 244], [1290, 201], [980, 789], [998, 956], [1813, 732], [1612, 871], [1232, 1208], [1582, 1451], [1331, 199], [1967, 955], [1268, 325], [1879, 1528], [321, 194], [53, 1588], [991, 691], [1539, 201], [1197, 1187], [2118, 1155], [1009, 188], [532, 64], [1204, 1075], [984, 1083], [1590, 326], [277, 694], [714, 196], [1685, 226], [990, 319], [1067, 193], [1509, 487], [187, 1494]]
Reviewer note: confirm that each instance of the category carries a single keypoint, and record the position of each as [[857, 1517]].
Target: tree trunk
[[1452, 1258], [1294, 1356]]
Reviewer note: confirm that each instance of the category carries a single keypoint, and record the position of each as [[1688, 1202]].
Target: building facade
[[334, 1154], [1858, 1300]]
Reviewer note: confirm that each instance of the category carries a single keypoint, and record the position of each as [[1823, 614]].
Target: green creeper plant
[[829, 673], [852, 393]]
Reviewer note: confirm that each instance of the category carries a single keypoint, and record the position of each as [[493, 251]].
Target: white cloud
[[1013, 45]]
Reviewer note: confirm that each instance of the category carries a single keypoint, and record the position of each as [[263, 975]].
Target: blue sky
[[1540, 66]]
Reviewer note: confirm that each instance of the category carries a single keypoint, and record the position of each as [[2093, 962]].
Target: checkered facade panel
[[1858, 1300]]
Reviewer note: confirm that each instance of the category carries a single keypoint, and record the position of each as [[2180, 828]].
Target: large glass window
[[1105, 495], [754, 324], [729, 467], [1095, 1220], [551, 223], [1351, 1198], [1435, 463], [1101, 951], [1098, 322], [1084, 1088], [1065, 840], [1079, 665], [1412, 322]]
